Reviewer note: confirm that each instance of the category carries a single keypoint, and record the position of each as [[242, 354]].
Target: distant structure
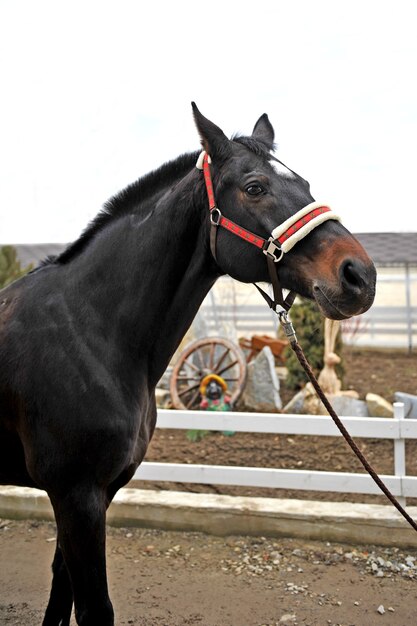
[[36, 252], [390, 249]]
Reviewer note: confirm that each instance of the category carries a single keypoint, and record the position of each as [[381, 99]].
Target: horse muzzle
[[351, 291]]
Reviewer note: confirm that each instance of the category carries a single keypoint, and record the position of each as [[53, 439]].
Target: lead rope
[[292, 338]]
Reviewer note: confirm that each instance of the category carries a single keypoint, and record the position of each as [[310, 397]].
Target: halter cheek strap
[[283, 238]]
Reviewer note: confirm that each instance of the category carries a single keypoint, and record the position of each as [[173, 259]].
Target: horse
[[86, 336]]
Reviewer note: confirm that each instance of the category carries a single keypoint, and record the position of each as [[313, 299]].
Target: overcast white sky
[[96, 93]]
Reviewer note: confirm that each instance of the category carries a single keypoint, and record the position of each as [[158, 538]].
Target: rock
[[349, 407], [306, 402], [381, 609], [350, 393], [378, 406], [296, 404], [282, 372], [312, 404], [261, 393], [409, 401]]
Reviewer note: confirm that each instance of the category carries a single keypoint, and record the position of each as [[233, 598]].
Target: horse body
[[85, 338]]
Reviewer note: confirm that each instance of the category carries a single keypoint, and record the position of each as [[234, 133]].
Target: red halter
[[282, 239], [307, 218]]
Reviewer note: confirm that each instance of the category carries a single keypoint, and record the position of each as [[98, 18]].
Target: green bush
[[308, 323], [10, 267]]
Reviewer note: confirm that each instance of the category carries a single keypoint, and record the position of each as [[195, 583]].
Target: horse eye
[[254, 190]]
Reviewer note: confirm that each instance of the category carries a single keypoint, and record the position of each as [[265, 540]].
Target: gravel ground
[[160, 578]]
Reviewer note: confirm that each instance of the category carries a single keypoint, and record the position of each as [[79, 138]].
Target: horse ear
[[263, 131], [213, 139]]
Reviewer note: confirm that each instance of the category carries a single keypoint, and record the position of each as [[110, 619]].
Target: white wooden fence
[[398, 429]]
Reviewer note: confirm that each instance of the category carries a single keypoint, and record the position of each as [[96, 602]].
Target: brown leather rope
[[289, 331]]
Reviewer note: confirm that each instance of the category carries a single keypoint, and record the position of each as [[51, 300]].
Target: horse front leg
[[58, 611], [80, 516]]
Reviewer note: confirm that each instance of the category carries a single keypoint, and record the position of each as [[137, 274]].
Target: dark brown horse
[[85, 338]]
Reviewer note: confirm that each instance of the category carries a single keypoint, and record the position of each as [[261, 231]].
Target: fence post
[[399, 450]]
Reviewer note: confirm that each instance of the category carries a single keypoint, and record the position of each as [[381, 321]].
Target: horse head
[[258, 193]]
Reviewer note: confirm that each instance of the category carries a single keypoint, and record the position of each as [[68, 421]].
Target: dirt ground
[[162, 578], [173, 579]]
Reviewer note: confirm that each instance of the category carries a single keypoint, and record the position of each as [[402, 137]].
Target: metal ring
[[214, 221]]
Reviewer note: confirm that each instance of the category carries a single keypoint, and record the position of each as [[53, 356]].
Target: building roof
[[390, 248], [384, 248]]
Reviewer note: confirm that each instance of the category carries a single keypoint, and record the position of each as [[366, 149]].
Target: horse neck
[[148, 273]]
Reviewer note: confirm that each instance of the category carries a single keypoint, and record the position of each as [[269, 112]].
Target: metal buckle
[[287, 325], [270, 248], [213, 219]]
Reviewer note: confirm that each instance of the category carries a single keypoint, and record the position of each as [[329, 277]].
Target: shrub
[[10, 267], [308, 323]]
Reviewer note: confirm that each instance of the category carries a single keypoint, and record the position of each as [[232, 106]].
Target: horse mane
[[126, 200], [142, 189]]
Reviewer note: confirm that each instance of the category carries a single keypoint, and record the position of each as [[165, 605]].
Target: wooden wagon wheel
[[212, 355]]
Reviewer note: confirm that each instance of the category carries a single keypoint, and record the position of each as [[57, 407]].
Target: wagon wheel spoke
[[189, 389], [183, 377], [193, 399], [211, 358], [200, 355], [227, 367], [220, 361], [190, 364]]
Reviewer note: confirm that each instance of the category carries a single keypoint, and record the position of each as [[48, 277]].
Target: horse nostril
[[352, 274]]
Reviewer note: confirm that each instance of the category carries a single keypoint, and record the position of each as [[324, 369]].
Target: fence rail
[[397, 429], [384, 322]]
